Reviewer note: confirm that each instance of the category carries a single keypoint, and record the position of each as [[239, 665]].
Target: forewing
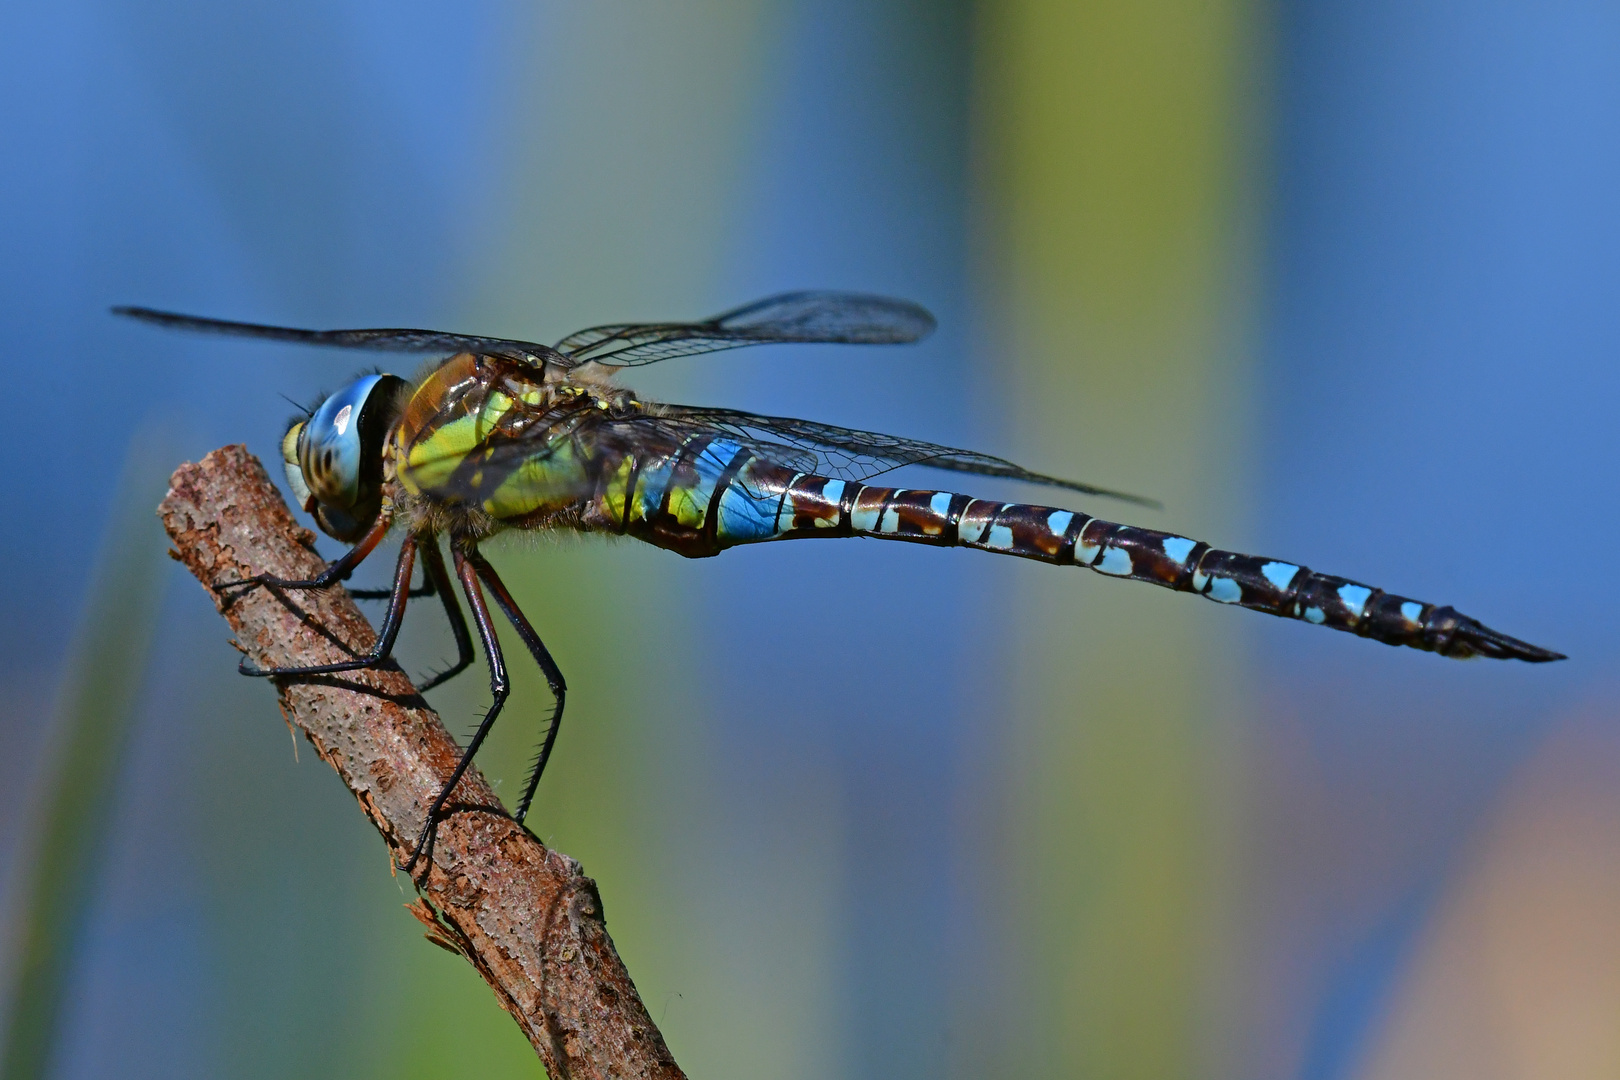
[[384, 340], [803, 445], [855, 455], [828, 317]]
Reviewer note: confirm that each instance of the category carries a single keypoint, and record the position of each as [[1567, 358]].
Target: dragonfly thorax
[[334, 459]]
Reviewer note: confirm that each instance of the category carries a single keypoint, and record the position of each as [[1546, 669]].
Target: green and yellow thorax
[[485, 437]]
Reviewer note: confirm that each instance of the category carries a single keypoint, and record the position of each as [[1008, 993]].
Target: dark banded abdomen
[[713, 494], [752, 501]]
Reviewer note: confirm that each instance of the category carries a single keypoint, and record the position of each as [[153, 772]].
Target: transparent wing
[[832, 317], [402, 340], [802, 445], [849, 454]]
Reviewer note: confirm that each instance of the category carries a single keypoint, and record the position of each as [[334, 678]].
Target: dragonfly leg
[[388, 594], [385, 638], [426, 589], [499, 687], [334, 573], [548, 666], [436, 578]]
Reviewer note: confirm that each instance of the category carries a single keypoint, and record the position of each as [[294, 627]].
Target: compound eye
[[290, 444], [329, 450]]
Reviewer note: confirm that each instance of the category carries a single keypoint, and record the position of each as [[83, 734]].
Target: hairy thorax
[[487, 443]]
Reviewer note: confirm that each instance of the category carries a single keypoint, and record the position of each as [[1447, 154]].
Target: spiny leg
[[438, 579], [537, 649], [435, 580], [388, 594], [429, 585], [499, 687], [334, 573], [385, 638], [426, 589]]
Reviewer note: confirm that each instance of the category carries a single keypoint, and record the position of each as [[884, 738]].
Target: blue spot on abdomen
[[744, 517], [1280, 574], [1355, 597], [1178, 548], [1115, 561]]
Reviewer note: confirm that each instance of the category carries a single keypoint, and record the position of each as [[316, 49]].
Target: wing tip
[[927, 324], [1139, 500], [1106, 493]]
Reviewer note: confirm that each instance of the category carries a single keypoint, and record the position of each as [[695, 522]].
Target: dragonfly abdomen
[[714, 494], [818, 506]]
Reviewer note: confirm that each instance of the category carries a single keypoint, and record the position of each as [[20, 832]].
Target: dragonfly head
[[334, 459]]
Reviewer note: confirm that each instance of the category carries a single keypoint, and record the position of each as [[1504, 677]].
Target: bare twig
[[524, 916]]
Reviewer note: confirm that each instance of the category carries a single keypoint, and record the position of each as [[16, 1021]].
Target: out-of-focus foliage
[[63, 843]]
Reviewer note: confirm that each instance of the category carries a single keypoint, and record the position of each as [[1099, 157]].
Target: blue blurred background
[[1336, 281]]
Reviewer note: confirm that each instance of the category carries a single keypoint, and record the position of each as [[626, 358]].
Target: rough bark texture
[[524, 916]]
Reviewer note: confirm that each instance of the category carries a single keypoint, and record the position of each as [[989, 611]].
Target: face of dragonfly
[[334, 459]]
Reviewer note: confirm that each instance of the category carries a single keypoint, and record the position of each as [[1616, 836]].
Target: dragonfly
[[502, 434]]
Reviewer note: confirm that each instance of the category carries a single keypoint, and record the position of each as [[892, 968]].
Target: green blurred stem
[[63, 839]]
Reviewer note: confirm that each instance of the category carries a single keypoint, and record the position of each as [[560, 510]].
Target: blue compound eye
[[335, 458], [331, 454]]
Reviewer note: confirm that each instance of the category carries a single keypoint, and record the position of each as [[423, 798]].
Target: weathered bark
[[523, 915]]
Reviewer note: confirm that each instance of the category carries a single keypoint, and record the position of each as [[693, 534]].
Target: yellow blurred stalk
[[1118, 148]]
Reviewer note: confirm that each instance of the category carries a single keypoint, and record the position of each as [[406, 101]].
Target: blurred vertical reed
[[1117, 150], [64, 832]]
